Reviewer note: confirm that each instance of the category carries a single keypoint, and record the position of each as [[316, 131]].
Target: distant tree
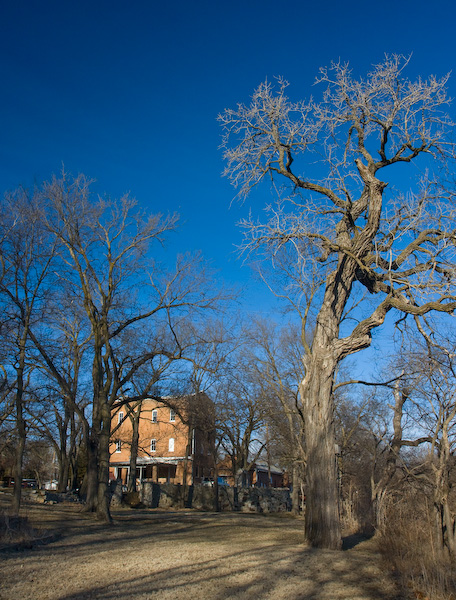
[[240, 415], [27, 253], [276, 362], [38, 461], [371, 246], [433, 411], [62, 343]]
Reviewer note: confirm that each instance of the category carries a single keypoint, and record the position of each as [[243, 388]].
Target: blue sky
[[128, 92]]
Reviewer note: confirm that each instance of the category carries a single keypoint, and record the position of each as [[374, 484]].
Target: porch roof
[[149, 460]]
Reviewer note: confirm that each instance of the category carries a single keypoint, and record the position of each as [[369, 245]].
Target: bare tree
[[276, 362], [433, 409], [342, 221], [26, 255], [240, 413], [389, 440], [106, 258], [62, 342]]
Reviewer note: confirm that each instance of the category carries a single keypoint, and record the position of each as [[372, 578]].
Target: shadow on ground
[[180, 555]]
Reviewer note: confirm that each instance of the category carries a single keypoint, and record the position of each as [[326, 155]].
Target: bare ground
[[182, 555]]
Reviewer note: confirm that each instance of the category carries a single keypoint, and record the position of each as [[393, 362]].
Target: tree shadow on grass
[[280, 571], [202, 555], [351, 541]]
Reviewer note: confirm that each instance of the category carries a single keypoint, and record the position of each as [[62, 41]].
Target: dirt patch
[[183, 554]]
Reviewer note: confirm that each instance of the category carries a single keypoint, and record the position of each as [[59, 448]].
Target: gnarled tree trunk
[[322, 526]]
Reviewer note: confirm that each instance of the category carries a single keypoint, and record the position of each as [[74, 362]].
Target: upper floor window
[[172, 415], [153, 445], [118, 446], [121, 417], [154, 416], [171, 445]]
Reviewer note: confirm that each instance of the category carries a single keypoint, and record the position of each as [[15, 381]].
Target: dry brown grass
[[15, 530], [18, 533], [408, 543], [182, 554]]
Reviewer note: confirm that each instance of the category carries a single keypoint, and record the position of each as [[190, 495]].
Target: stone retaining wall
[[199, 497], [49, 496], [262, 500]]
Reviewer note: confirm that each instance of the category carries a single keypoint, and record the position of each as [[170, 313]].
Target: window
[[172, 415], [153, 445], [171, 445], [154, 416], [118, 446], [121, 417]]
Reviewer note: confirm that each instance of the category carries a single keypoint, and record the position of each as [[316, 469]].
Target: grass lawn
[[183, 555]]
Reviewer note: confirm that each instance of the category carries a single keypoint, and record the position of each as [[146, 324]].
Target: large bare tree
[[370, 243]]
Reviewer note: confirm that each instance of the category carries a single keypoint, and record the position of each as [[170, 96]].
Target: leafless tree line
[[91, 315]]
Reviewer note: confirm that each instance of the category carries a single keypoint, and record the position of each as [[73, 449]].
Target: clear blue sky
[[128, 92]]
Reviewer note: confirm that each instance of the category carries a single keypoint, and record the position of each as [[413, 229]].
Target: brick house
[[176, 440]]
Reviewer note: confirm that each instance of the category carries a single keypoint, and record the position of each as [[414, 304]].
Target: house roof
[[264, 467]]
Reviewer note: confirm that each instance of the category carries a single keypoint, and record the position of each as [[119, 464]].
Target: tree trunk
[[322, 524], [217, 507], [134, 450], [90, 487], [73, 456], [450, 530], [74, 483], [379, 489], [188, 452], [295, 492], [17, 471], [445, 522], [445, 527], [64, 469], [104, 494], [21, 431]]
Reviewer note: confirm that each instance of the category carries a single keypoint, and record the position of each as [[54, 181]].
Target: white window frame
[[154, 417], [153, 445], [121, 417], [118, 446], [171, 445], [172, 415]]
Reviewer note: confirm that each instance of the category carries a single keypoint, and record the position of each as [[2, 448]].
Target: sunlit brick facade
[[176, 440]]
